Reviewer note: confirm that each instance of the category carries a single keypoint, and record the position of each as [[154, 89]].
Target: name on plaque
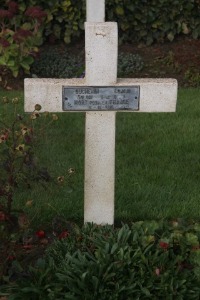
[[82, 98]]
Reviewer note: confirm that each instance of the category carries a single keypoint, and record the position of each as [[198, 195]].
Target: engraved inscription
[[101, 98]]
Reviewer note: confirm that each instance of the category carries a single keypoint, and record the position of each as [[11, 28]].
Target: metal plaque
[[116, 98]]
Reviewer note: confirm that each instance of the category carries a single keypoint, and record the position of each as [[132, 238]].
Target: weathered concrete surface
[[156, 95], [101, 50], [95, 10], [99, 167]]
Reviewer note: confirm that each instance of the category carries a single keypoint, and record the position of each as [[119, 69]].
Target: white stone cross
[[101, 53]]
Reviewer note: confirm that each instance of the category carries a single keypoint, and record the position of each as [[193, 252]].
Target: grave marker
[[100, 95]]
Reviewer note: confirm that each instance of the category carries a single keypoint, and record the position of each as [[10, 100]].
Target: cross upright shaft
[[101, 47], [95, 10]]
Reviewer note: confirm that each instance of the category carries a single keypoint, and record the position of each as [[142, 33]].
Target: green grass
[[157, 164]]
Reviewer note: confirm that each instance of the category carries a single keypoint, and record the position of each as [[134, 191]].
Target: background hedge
[[155, 20], [145, 21]]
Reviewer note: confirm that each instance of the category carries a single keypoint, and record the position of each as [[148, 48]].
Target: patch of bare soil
[[179, 59]]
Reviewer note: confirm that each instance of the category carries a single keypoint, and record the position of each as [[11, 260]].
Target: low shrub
[[56, 63], [146, 260], [129, 63], [192, 76], [59, 63], [151, 21], [26, 25], [20, 36], [139, 21]]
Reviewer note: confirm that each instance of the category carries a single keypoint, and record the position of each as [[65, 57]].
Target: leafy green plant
[[192, 76], [145, 260], [65, 20], [66, 65], [129, 63], [154, 21], [20, 34], [63, 64], [169, 62], [141, 21]]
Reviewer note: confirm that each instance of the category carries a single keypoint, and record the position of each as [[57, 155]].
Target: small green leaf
[[10, 63], [2, 60], [170, 36], [67, 39], [185, 28], [15, 73], [119, 11], [145, 291], [31, 289], [195, 34], [192, 239], [114, 248], [25, 66], [27, 26], [149, 40]]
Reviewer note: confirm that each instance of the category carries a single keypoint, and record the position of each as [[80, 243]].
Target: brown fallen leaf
[[44, 241], [8, 88], [23, 221]]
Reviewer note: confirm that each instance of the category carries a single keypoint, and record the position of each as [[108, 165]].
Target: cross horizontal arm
[[156, 95]]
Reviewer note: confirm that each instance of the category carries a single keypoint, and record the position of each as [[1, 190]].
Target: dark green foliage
[[155, 20], [57, 64], [192, 76], [129, 63], [21, 33], [33, 22], [65, 19], [144, 21], [148, 260]]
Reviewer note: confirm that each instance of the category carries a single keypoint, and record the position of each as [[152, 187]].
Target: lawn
[[157, 164]]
